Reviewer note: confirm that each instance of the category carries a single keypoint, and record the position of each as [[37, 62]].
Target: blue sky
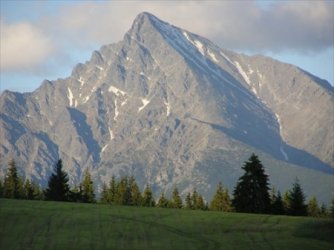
[[45, 39]]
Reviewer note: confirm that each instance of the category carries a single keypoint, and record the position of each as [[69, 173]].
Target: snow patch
[[70, 97], [245, 132], [104, 148], [285, 155], [168, 108], [116, 110], [242, 73], [145, 103], [98, 67], [124, 102], [82, 82], [86, 99], [111, 134], [143, 74], [213, 56], [199, 46], [226, 57], [116, 91]]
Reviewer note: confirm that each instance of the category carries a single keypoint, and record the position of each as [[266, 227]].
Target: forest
[[252, 193]]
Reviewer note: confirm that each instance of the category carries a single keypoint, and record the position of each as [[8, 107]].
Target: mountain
[[172, 108]]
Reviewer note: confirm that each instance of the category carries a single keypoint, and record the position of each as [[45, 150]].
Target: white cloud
[[22, 46]]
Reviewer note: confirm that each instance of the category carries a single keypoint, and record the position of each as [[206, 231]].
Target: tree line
[[251, 194]]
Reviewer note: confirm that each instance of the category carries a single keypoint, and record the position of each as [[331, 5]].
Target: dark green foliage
[[1, 188], [221, 200], [58, 188], [104, 194], [148, 200], [87, 189], [12, 187], [176, 201], [313, 209], [135, 197], [195, 201], [297, 205], [163, 201], [277, 205], [251, 194], [189, 204], [332, 209]]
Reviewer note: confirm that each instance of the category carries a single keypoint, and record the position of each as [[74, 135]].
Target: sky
[[45, 39]]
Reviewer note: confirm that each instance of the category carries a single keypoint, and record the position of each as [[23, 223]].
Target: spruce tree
[[297, 205], [277, 206], [221, 200], [313, 209], [1, 188], [58, 188], [12, 183], [251, 194], [163, 201], [189, 204], [176, 199], [29, 192], [286, 202], [136, 197], [112, 191], [104, 194], [87, 187], [148, 200]]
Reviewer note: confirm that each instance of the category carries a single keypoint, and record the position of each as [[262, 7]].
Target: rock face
[[171, 108]]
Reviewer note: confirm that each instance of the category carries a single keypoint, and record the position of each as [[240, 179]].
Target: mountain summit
[[172, 108]]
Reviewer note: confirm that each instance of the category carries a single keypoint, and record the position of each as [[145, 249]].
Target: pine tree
[[221, 200], [104, 194], [163, 201], [12, 183], [1, 188], [323, 210], [29, 192], [148, 200], [277, 206], [313, 209], [112, 192], [58, 188], [87, 187], [199, 203], [252, 191], [136, 197], [189, 204], [297, 205], [176, 199], [286, 202]]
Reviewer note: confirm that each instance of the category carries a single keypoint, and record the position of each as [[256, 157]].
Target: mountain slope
[[170, 107]]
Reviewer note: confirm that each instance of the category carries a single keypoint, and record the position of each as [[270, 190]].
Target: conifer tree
[[277, 206], [87, 187], [1, 188], [104, 194], [29, 192], [221, 200], [123, 193], [176, 199], [313, 209], [12, 183], [112, 190], [189, 204], [297, 205], [332, 209], [199, 203], [286, 202], [136, 197], [252, 191], [323, 210], [148, 200], [163, 201], [58, 188]]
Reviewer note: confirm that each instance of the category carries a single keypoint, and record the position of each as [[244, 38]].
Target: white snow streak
[[111, 134], [116, 91], [285, 155], [168, 108], [226, 57], [213, 56], [242, 72], [70, 97], [82, 82], [145, 103], [100, 68], [116, 111], [199, 46], [104, 148], [124, 102], [86, 99]]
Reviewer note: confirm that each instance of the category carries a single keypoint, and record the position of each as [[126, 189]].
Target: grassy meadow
[[56, 225]]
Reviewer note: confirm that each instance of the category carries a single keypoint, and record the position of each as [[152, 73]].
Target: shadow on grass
[[320, 229]]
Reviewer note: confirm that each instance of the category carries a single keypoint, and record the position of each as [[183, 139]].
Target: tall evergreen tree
[[87, 187], [163, 201], [189, 204], [104, 194], [148, 200], [221, 200], [112, 190], [313, 209], [176, 199], [58, 188], [286, 202], [136, 197], [252, 191], [277, 205], [12, 183], [1, 188], [297, 205]]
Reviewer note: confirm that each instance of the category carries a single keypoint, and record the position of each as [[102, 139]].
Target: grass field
[[54, 225]]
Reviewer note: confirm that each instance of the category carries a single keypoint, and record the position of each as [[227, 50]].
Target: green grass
[[54, 225]]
